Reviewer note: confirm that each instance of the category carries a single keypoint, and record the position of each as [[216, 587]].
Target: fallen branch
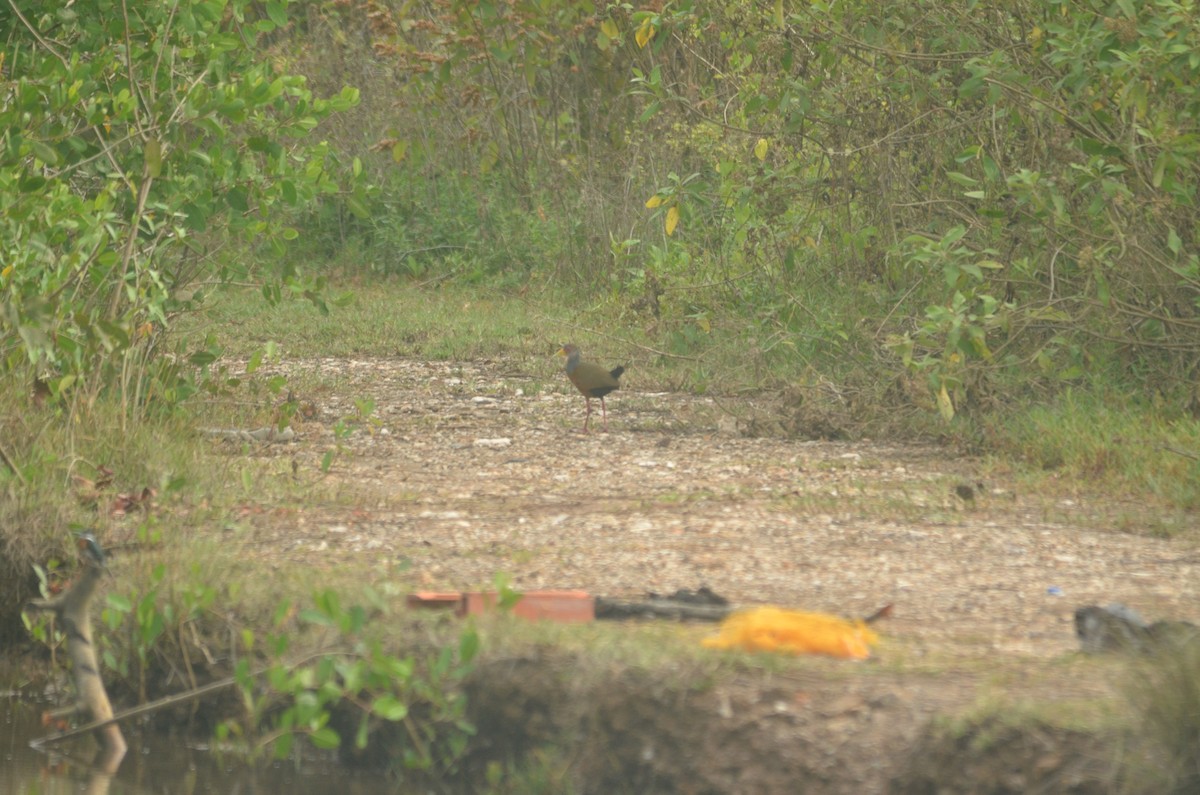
[[163, 703], [72, 610], [8, 462], [659, 608], [133, 712], [266, 434]]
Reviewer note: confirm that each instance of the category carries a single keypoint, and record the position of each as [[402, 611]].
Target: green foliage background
[[998, 197], [994, 197]]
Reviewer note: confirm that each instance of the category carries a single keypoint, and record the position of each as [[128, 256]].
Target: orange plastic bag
[[794, 632]]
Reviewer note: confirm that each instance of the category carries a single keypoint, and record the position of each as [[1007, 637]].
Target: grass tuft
[[1108, 442], [1165, 693]]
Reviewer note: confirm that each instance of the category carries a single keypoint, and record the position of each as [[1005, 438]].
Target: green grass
[[390, 317], [1107, 441], [1165, 695]]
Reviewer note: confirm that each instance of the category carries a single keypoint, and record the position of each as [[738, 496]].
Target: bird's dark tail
[[616, 372]]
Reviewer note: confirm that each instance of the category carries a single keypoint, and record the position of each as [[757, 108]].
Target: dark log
[[659, 608]]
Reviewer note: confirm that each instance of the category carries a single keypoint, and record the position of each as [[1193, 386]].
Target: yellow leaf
[[489, 157], [945, 405], [399, 151], [4, 274], [760, 149], [609, 28], [779, 14], [809, 241], [653, 202], [672, 220], [644, 33], [153, 154]]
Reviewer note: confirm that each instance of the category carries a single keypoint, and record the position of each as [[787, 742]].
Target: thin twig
[[897, 305], [440, 278], [37, 35], [8, 462], [1183, 453], [165, 701]]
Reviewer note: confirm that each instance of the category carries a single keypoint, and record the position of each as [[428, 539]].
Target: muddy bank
[[827, 734]]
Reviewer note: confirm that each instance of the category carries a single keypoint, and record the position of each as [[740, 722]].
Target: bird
[[590, 379], [90, 549]]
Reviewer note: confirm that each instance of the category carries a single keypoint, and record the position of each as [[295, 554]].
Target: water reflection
[[155, 764]]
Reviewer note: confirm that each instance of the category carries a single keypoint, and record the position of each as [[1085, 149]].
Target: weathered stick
[[73, 612], [161, 703], [133, 712]]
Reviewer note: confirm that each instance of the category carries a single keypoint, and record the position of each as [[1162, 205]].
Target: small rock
[[494, 444]]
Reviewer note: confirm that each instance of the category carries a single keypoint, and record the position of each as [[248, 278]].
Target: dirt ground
[[474, 468]]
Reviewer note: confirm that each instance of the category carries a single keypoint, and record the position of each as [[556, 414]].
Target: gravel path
[[480, 467]]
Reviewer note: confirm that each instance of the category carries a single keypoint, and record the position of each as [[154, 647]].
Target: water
[[157, 764]]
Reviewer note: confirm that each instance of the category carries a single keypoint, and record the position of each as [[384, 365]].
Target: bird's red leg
[[604, 413], [587, 416]]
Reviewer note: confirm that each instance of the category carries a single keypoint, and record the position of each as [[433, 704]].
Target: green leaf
[[968, 154], [31, 183], [955, 234], [312, 616], [397, 670], [990, 169], [970, 87], [345, 100], [390, 708], [468, 645], [236, 198], [44, 153], [1071, 373], [358, 208], [277, 13], [283, 745], [202, 358]]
